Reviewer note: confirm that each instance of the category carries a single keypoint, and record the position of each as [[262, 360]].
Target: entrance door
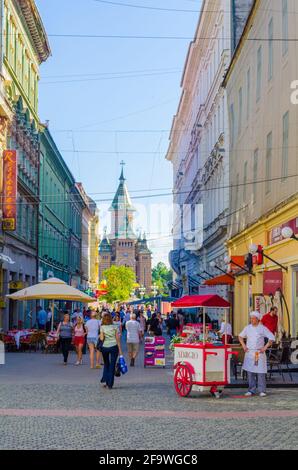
[[295, 303]]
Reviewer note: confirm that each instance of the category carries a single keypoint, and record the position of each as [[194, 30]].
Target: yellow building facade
[[263, 160]]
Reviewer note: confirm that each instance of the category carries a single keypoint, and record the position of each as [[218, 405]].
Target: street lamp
[[228, 260], [288, 232], [258, 249], [214, 265], [142, 291]]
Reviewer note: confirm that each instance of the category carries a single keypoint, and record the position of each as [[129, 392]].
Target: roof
[[122, 198], [192, 301], [105, 245]]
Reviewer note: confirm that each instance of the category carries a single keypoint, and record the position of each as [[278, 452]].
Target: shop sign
[[9, 190], [16, 285], [272, 280], [275, 235]]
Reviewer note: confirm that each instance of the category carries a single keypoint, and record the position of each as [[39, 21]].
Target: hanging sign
[[9, 190]]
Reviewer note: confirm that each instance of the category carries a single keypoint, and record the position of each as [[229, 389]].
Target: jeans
[[65, 346], [110, 356], [253, 379]]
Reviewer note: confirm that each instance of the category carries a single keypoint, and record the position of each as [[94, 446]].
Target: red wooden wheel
[[183, 380]]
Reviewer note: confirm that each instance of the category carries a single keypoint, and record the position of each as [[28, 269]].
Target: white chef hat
[[255, 314]]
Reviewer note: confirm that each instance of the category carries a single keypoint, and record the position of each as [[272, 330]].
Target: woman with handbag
[[111, 347]]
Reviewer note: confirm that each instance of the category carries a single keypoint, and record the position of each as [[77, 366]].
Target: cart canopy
[[192, 301]]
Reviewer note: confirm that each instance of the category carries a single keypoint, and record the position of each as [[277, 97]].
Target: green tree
[[120, 283], [161, 275]]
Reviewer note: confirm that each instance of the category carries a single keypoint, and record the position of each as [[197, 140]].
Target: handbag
[[118, 370], [99, 344]]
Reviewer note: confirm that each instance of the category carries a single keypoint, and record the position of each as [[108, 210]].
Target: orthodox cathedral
[[122, 247]]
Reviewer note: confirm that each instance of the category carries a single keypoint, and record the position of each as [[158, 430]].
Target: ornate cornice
[[36, 28]]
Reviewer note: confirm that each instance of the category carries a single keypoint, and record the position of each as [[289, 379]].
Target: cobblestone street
[[44, 405]]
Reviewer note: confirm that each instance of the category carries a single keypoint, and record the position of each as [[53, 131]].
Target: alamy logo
[[2, 353]]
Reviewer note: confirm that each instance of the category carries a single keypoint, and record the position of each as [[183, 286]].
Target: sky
[[109, 100]]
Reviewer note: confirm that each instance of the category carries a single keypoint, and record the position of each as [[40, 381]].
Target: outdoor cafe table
[[18, 334]]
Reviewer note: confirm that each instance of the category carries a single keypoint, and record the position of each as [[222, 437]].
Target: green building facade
[[60, 216]]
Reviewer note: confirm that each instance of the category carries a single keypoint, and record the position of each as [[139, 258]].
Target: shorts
[[79, 340], [92, 341], [133, 347]]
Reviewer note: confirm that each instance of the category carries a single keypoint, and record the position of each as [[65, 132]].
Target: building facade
[[90, 241], [24, 46], [122, 247], [199, 153], [263, 161], [60, 216]]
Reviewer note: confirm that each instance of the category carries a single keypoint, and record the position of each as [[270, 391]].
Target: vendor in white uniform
[[255, 361]]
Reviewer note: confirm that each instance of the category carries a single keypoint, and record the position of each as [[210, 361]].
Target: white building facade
[[199, 152]]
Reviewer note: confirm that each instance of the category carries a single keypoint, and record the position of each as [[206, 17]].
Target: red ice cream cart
[[201, 365]]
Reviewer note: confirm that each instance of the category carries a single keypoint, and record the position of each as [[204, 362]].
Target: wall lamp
[[288, 232], [228, 260], [254, 249], [214, 265]]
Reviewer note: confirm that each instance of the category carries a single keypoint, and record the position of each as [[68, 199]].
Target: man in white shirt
[[226, 332], [134, 333], [255, 360]]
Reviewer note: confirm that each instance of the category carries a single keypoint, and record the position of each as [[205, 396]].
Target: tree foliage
[[120, 283], [161, 275]]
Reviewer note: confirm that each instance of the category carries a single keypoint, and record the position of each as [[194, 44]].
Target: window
[[240, 110], [270, 50], [285, 146], [268, 163], [285, 27], [248, 94], [245, 182], [255, 173], [259, 72]]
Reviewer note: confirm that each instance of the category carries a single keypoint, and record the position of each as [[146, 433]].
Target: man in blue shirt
[[42, 318]]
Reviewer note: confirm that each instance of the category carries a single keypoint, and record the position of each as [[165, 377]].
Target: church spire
[[122, 211], [122, 163]]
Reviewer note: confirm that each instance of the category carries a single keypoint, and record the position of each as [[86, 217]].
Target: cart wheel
[[183, 380]]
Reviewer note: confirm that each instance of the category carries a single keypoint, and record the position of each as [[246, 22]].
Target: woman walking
[[64, 332], [117, 322], [110, 349], [79, 340]]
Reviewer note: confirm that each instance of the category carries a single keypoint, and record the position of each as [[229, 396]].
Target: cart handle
[[233, 353], [211, 354]]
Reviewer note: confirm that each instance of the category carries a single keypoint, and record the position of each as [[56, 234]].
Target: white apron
[[255, 336]]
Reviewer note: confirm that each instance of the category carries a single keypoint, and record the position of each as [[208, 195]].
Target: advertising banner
[[9, 190]]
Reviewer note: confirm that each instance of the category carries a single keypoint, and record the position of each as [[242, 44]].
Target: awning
[[223, 280], [191, 301]]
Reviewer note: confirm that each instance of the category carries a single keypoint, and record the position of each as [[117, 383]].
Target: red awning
[[222, 280], [192, 301]]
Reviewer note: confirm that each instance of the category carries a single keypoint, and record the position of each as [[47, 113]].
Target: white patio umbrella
[[52, 289]]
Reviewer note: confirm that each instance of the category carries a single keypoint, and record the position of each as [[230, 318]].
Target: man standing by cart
[[255, 360]]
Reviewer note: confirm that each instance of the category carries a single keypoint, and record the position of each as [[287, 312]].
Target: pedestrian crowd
[[104, 332]]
